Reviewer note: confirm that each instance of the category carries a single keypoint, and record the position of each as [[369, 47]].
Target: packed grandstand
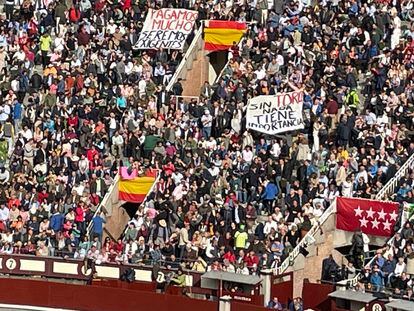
[[90, 97]]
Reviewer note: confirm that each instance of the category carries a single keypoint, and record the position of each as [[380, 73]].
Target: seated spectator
[[274, 304]]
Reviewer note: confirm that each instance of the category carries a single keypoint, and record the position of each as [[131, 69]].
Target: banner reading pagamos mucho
[[166, 28], [275, 114]]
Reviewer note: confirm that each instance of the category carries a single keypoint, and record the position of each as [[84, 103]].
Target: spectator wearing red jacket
[[73, 121], [42, 195], [90, 154], [80, 212], [14, 201], [169, 168], [251, 260], [118, 246], [230, 256]]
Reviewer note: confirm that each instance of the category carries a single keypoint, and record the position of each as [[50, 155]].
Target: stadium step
[[193, 67], [389, 189], [196, 75], [320, 245]]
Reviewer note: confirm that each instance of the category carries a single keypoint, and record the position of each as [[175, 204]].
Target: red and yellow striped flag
[[220, 35], [135, 190]]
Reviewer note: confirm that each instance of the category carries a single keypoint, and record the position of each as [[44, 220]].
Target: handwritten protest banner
[[276, 113], [166, 28]]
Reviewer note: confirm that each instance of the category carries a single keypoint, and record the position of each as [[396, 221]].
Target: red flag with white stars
[[372, 217]]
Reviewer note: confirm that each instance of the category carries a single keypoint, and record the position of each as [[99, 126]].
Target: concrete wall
[[325, 244], [344, 238], [196, 76], [116, 217], [310, 267], [116, 223]]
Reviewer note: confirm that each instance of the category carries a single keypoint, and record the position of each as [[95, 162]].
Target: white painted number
[[376, 307]]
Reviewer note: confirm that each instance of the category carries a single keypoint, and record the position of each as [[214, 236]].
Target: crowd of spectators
[[75, 95], [392, 268], [79, 103]]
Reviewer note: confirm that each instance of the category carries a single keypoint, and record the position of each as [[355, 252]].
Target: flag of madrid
[[372, 217]]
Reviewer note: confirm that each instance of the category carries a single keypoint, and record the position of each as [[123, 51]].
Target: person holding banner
[[259, 137]]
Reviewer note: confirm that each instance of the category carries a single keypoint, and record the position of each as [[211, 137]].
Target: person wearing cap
[[161, 232]]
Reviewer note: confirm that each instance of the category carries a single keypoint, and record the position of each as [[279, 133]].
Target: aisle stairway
[[320, 245], [196, 75], [193, 68], [390, 188]]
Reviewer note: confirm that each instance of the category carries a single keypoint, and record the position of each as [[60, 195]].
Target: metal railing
[[106, 203], [185, 99], [306, 239], [393, 182], [188, 58], [388, 189], [354, 281]]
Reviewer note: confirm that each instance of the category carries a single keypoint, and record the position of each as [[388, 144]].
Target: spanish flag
[[135, 190], [220, 35]]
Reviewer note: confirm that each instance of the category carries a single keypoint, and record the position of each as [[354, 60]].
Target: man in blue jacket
[[388, 269], [56, 221], [269, 194], [376, 279], [97, 226]]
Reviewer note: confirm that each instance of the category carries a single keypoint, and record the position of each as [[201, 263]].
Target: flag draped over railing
[[370, 216], [134, 188], [220, 35]]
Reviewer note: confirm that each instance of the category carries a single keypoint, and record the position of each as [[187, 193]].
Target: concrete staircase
[[193, 68], [310, 267], [116, 221], [196, 75], [321, 245], [116, 217]]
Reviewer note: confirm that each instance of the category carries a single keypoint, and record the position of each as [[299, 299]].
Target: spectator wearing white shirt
[[247, 154], [26, 133], [117, 143], [4, 213], [400, 267], [159, 73], [270, 223], [207, 121], [347, 188], [362, 173]]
